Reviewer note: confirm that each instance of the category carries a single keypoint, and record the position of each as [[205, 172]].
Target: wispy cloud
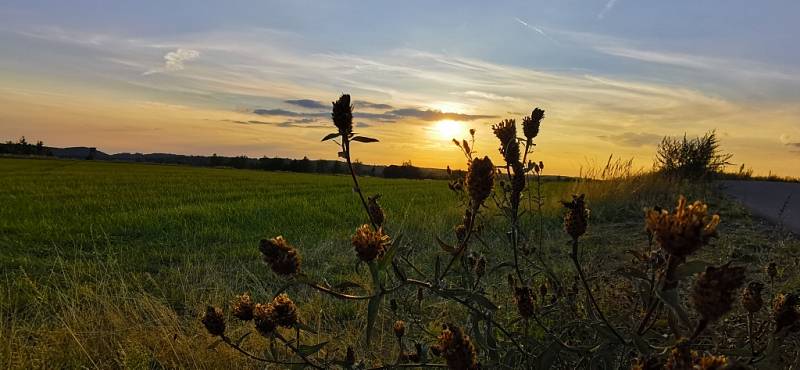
[[485, 96], [175, 60], [633, 139], [307, 103], [607, 8], [387, 116], [298, 123], [535, 29]]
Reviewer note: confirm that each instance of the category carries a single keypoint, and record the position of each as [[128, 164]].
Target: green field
[[109, 264], [96, 238]]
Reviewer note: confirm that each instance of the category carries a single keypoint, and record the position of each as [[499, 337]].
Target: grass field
[[109, 264]]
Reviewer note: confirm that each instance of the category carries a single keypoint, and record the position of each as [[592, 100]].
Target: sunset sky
[[257, 77]]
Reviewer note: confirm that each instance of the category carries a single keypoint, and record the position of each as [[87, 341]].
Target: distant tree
[[238, 162], [216, 160], [338, 167], [406, 171]]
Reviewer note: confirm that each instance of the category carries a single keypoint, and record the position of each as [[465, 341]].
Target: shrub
[[693, 159]]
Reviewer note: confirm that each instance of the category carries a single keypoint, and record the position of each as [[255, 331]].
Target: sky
[[257, 77]]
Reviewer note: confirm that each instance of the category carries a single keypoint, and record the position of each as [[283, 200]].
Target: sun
[[449, 129]]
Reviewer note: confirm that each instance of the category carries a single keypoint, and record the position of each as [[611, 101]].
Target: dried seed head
[[399, 328], [713, 291], [456, 348], [282, 257], [530, 124], [284, 311], [370, 244], [214, 321], [772, 270], [751, 297], [681, 357], [480, 180], [506, 132], [264, 318], [420, 294], [461, 233], [784, 310], [711, 362], [243, 307], [343, 115], [524, 297], [350, 357], [683, 231], [375, 210], [543, 289], [541, 165], [647, 363], [577, 216]]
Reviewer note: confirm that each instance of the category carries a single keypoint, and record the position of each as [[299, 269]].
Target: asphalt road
[[778, 202]]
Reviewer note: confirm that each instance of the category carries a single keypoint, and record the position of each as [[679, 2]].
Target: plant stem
[[574, 256], [297, 351], [241, 350], [750, 333], [356, 187], [337, 294], [462, 245]]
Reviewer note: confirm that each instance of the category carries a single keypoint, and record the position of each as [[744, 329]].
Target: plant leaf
[[549, 356], [364, 139], [387, 258], [372, 313], [242, 338], [347, 285], [445, 247], [310, 350], [472, 297], [330, 136], [690, 268], [670, 298]]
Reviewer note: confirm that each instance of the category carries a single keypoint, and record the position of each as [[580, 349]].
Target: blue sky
[[614, 76]]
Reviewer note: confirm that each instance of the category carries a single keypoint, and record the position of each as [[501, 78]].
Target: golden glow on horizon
[[448, 129]]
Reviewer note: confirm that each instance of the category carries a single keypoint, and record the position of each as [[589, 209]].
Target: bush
[[691, 159]]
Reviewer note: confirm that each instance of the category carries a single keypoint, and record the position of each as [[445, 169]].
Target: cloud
[[299, 122], [633, 139], [287, 113], [388, 116], [174, 61], [307, 103], [609, 5], [485, 95], [369, 105], [435, 115], [316, 104], [535, 29]]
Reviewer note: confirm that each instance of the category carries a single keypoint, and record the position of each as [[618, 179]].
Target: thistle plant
[[547, 318]]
